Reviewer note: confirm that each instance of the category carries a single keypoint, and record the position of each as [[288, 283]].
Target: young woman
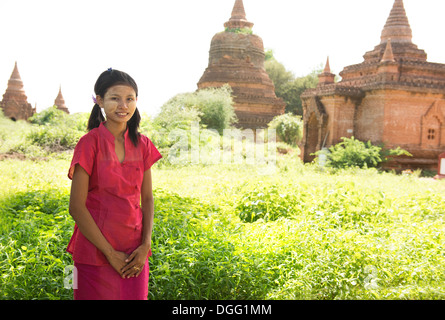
[[111, 196]]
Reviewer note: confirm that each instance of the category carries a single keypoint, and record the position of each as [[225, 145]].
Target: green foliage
[[353, 234], [55, 138], [268, 55], [210, 108], [175, 113], [239, 30], [289, 128], [32, 258], [215, 106], [47, 134], [50, 115], [268, 204], [287, 86], [355, 153]]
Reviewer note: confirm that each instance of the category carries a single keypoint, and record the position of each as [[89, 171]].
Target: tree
[[289, 128], [287, 86], [212, 107]]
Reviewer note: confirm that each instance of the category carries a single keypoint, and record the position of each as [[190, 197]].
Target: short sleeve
[[151, 153], [84, 154]]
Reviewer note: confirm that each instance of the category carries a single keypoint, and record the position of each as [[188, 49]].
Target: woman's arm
[[147, 205], [86, 223], [138, 257]]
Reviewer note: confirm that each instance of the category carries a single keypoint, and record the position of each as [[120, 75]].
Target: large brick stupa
[[236, 58]]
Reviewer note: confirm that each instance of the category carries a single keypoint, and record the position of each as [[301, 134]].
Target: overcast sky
[[164, 44]]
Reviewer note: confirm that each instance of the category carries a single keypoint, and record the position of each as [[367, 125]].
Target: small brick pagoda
[[60, 102], [237, 58], [393, 97], [15, 104]]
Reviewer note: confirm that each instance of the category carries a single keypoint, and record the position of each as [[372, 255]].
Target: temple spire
[[397, 26], [15, 86], [238, 19], [327, 68], [60, 101], [326, 77], [15, 73], [388, 55]]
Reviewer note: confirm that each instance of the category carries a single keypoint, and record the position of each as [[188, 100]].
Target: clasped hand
[[129, 265]]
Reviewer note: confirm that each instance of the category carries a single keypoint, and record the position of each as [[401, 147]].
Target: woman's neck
[[116, 129]]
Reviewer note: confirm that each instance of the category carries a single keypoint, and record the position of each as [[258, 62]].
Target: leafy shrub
[[56, 138], [50, 115], [33, 242], [56, 130], [355, 153], [176, 114], [267, 204], [289, 128], [212, 107], [47, 134], [216, 106]]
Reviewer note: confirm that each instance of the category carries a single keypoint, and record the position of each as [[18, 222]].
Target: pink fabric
[[104, 283], [114, 192], [114, 195]]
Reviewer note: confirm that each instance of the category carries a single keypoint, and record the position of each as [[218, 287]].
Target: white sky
[[164, 44]]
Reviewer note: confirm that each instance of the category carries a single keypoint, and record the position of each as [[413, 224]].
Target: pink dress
[[113, 200]]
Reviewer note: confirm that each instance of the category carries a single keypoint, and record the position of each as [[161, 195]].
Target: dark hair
[[105, 81]]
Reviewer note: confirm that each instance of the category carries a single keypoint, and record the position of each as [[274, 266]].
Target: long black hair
[[105, 81]]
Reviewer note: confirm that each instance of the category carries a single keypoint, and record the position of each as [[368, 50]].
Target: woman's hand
[[135, 262], [117, 261]]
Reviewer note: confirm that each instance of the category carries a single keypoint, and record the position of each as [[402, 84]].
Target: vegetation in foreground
[[228, 232]]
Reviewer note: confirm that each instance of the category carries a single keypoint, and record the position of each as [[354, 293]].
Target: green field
[[229, 232]]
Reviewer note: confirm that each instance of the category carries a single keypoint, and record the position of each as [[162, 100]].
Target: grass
[[230, 232]]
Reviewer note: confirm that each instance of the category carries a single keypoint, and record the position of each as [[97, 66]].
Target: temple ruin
[[236, 58], [15, 102], [394, 97]]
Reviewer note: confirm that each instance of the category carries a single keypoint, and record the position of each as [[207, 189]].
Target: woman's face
[[119, 103]]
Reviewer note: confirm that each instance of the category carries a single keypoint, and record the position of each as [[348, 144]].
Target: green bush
[[47, 134], [55, 138], [289, 128], [212, 107], [267, 204], [50, 115], [216, 107], [355, 153], [32, 245]]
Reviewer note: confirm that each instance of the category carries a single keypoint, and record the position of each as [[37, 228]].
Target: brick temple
[[237, 59], [15, 102], [393, 97]]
